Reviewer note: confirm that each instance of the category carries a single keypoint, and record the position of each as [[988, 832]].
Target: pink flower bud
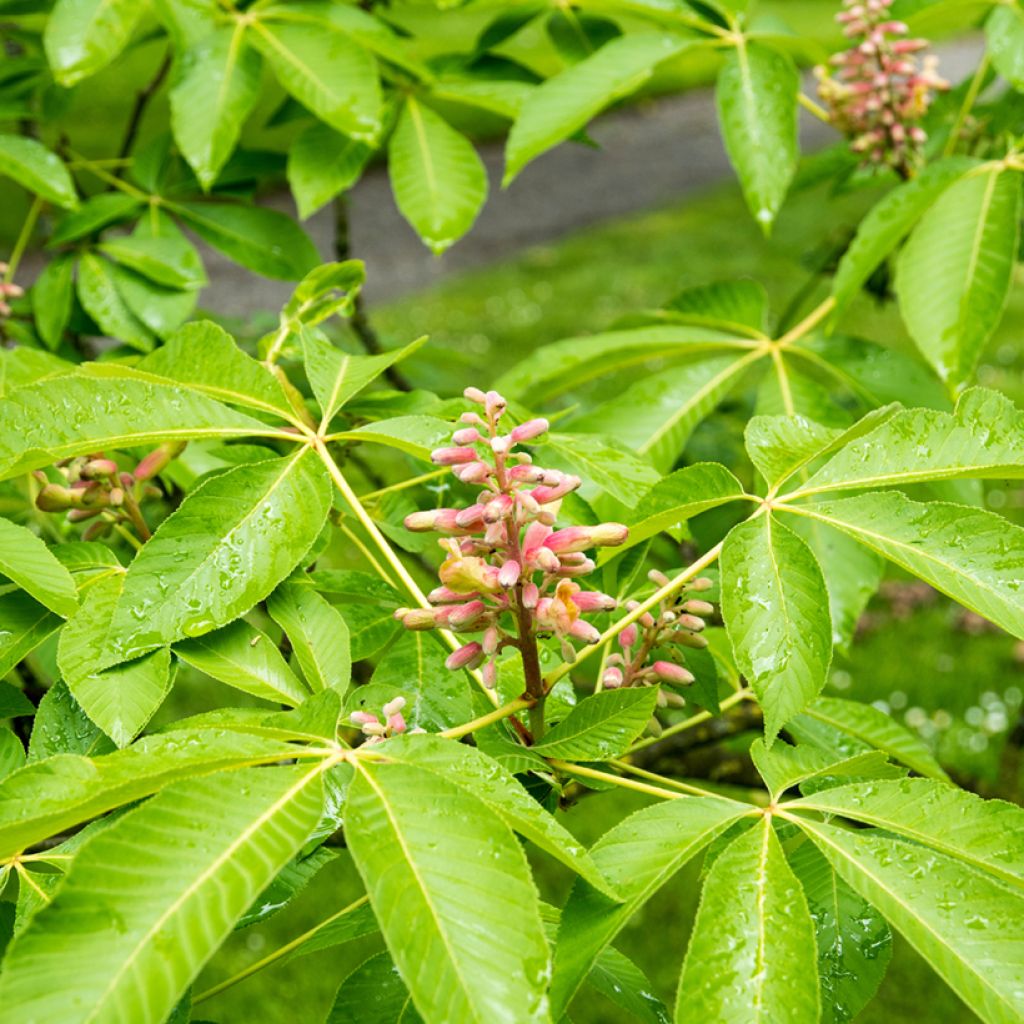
[[668, 672], [583, 630], [444, 595], [694, 623], [396, 723], [525, 473], [612, 678], [80, 515], [572, 538], [473, 472], [496, 510], [452, 456], [468, 435], [466, 614], [700, 584], [501, 445], [583, 568], [508, 575], [594, 601], [491, 640], [96, 469], [421, 522], [495, 404], [528, 430], [157, 460], [417, 618], [490, 674], [543, 495], [696, 607], [393, 706], [475, 395], [627, 638], [609, 535], [468, 656], [531, 595], [363, 718], [471, 517]]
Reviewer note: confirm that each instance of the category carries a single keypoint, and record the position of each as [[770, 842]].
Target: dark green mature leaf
[[323, 163], [439, 181], [775, 606], [173, 875], [602, 726], [637, 857], [373, 993], [433, 890], [291, 880], [52, 794], [62, 727], [974, 557], [33, 166], [229, 543], [854, 942], [757, 110], [566, 102], [28, 562], [752, 952], [1004, 36], [954, 273], [13, 703], [245, 658], [262, 240], [88, 412], [52, 296], [102, 300], [84, 36], [620, 981], [968, 927], [318, 635], [218, 84]]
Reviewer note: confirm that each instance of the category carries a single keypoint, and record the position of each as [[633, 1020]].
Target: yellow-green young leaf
[[186, 21], [854, 942], [337, 376], [637, 857], [218, 84], [27, 624], [323, 68], [987, 834], [152, 897], [228, 544], [953, 275], [1004, 34], [757, 110], [52, 794], [437, 891], [775, 606], [601, 726], [566, 102], [975, 557], [417, 436], [779, 445], [323, 163], [204, 357], [245, 658], [52, 295], [752, 954], [103, 301], [34, 167], [318, 635], [78, 413], [28, 562], [967, 926], [84, 36], [438, 179]]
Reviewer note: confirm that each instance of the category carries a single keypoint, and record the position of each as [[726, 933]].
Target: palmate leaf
[[778, 446], [603, 462], [323, 163], [83, 36], [620, 981], [602, 726], [973, 556], [28, 562], [373, 994], [968, 927], [1004, 38], [229, 543], [752, 953], [637, 857], [737, 306], [81, 413], [775, 606], [433, 891], [33, 166], [62, 727], [151, 897], [953, 275], [417, 436], [59, 791], [103, 300], [317, 632]]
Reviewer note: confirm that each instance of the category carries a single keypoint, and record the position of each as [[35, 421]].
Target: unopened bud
[[531, 595], [490, 674], [593, 601], [80, 515], [583, 630], [612, 678], [467, 614], [468, 435], [473, 472], [692, 622], [452, 456], [362, 718], [54, 498], [491, 640], [96, 469], [696, 607], [675, 675], [468, 656], [508, 575], [695, 640], [628, 636], [701, 583], [529, 430], [393, 707], [544, 494], [417, 619], [475, 395], [157, 460]]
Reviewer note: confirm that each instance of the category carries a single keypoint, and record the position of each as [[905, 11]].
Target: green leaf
[[432, 892], [87, 412], [28, 562], [289, 882], [50, 795], [324, 69], [605, 463], [752, 952], [757, 110], [780, 445], [62, 727], [245, 658], [987, 834], [337, 376], [101, 299], [775, 607], [92, 214], [323, 163], [854, 942], [12, 753], [261, 240], [738, 307], [1004, 38], [974, 557], [318, 635], [983, 437], [228, 544], [953, 276], [889, 221], [602, 726], [84, 36], [34, 167], [563, 104], [373, 994], [488, 781], [619, 980], [439, 181], [966, 926], [52, 296], [417, 436], [166, 259], [13, 703], [637, 857], [204, 357], [172, 877], [27, 624], [217, 86]]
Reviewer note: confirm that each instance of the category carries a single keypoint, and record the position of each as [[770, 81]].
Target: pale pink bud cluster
[[8, 290], [378, 728], [507, 569], [652, 647], [877, 91]]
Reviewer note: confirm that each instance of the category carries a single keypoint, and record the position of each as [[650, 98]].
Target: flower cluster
[[377, 731], [649, 643], [94, 486], [509, 574], [8, 290], [877, 91]]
